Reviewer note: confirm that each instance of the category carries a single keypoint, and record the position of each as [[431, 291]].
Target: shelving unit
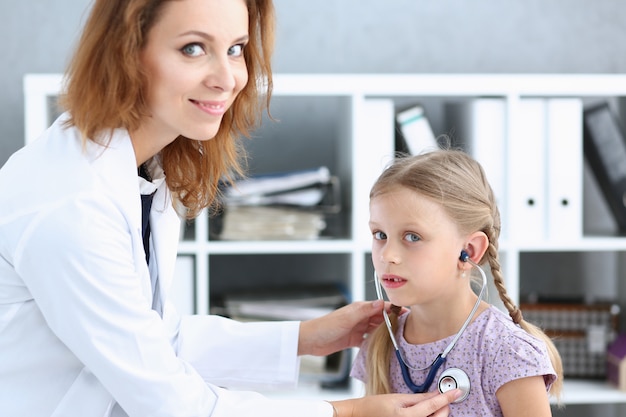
[[345, 121]]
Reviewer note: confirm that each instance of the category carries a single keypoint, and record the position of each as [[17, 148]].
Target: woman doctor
[[155, 87]]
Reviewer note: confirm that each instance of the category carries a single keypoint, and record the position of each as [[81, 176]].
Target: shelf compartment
[[277, 271]]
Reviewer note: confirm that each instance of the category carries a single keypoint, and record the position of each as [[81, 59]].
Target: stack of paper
[[279, 206], [270, 223], [299, 188]]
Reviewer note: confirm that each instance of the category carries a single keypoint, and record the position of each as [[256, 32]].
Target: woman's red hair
[[106, 89]]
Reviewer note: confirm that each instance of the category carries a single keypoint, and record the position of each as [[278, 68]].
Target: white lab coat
[[78, 337]]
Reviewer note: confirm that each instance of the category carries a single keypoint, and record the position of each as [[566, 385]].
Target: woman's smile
[[214, 108]]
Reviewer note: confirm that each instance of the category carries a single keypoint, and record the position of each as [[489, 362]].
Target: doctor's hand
[[397, 405], [341, 329]]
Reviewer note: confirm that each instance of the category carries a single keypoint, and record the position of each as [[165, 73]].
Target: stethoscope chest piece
[[453, 378]]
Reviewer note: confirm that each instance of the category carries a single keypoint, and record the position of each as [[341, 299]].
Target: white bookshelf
[[361, 141]]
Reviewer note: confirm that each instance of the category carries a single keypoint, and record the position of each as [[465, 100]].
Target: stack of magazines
[[278, 206]]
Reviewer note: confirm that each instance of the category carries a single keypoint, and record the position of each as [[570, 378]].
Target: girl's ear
[[476, 246]]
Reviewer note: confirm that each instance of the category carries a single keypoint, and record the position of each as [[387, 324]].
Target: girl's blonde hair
[[106, 89], [458, 183]]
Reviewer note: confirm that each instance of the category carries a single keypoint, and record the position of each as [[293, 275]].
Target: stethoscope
[[451, 378]]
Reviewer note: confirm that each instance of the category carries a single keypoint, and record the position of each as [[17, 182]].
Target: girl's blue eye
[[193, 49], [380, 235], [412, 237], [236, 50]]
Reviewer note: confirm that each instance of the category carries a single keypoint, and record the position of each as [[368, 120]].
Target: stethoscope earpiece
[[453, 378]]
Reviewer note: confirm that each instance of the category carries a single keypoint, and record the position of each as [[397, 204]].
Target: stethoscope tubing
[[441, 358]]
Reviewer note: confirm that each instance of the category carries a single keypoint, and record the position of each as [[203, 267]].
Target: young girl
[[433, 218]]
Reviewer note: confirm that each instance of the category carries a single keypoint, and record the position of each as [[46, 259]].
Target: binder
[[479, 127], [527, 192], [373, 150], [565, 167], [415, 130], [605, 151]]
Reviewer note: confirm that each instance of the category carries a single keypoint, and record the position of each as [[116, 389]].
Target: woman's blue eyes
[[193, 49], [236, 50], [197, 49]]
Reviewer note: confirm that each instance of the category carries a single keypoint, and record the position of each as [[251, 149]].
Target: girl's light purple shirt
[[492, 351]]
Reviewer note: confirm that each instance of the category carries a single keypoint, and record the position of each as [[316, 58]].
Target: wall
[[570, 36]]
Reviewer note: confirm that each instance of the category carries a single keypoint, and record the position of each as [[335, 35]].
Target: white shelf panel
[[267, 247], [591, 392], [37, 89], [387, 85], [587, 244], [312, 391], [574, 392]]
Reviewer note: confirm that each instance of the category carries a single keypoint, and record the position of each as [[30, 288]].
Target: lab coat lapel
[[165, 229], [117, 167]]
